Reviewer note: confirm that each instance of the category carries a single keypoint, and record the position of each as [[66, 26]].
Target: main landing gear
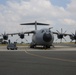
[[32, 45], [47, 46]]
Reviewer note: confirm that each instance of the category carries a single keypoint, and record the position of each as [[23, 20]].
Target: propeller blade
[[64, 39], [56, 39], [65, 31], [17, 39], [61, 30], [58, 31], [22, 30], [72, 34], [26, 40], [60, 40]]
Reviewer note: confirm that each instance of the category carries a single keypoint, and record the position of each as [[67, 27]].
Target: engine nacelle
[[60, 36], [5, 37], [73, 37], [21, 36]]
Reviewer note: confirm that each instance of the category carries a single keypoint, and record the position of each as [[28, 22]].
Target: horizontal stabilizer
[[27, 24], [42, 24], [35, 23]]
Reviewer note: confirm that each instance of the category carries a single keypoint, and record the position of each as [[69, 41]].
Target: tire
[[16, 48], [8, 48]]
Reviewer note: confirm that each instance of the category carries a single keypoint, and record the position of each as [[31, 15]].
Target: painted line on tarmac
[[51, 58]]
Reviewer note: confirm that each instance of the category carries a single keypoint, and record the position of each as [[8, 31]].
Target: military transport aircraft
[[42, 37]]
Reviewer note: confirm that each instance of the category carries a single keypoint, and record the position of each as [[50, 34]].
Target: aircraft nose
[[47, 37]]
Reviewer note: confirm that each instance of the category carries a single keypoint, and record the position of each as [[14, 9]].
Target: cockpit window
[[42, 31]]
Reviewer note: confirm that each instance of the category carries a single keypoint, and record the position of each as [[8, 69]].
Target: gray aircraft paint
[[37, 38]]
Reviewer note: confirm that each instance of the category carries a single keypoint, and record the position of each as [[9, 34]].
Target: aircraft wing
[[61, 33], [29, 32], [65, 34], [54, 32]]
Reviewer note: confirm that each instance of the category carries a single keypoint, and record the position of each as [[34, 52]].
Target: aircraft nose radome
[[47, 37]]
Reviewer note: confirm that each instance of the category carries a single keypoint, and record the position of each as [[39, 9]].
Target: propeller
[[21, 34], [61, 35], [5, 36], [73, 37]]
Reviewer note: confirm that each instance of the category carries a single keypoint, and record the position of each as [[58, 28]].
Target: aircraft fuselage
[[43, 37]]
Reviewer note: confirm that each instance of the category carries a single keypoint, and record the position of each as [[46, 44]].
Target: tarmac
[[60, 60]]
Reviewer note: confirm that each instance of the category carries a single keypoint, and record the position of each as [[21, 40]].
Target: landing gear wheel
[[46, 47], [32, 46]]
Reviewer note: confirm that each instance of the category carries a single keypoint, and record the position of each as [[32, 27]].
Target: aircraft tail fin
[[35, 23]]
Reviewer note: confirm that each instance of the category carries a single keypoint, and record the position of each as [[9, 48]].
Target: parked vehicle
[[12, 46]]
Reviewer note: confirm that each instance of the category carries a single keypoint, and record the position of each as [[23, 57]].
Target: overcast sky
[[58, 13]]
